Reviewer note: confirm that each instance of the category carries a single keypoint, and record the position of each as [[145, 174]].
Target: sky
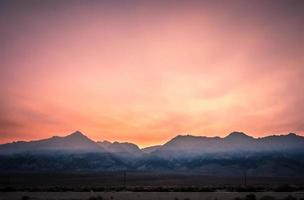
[[146, 71]]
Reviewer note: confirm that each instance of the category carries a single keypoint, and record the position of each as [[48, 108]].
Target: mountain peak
[[237, 135], [187, 136], [292, 135], [77, 134]]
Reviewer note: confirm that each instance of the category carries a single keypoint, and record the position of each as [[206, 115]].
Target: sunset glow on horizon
[[145, 71]]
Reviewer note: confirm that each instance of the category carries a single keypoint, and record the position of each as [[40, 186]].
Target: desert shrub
[[289, 197], [187, 189], [284, 188], [250, 197], [8, 189], [267, 198], [247, 197], [230, 189], [25, 198], [96, 198], [206, 189], [247, 189]]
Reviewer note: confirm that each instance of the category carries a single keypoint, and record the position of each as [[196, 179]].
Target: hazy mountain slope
[[75, 142], [235, 142], [121, 148], [151, 149], [281, 142], [187, 145], [272, 155]]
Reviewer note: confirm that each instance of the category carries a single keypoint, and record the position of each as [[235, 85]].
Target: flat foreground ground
[[142, 195], [133, 179]]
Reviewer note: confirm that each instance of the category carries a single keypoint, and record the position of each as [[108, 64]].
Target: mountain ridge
[[272, 155], [187, 144]]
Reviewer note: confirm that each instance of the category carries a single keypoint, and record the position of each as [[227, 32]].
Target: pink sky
[[144, 71]]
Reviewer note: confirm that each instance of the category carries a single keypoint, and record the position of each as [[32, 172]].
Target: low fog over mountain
[[125, 148], [235, 142], [272, 155]]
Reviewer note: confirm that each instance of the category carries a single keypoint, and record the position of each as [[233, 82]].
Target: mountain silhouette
[[238, 136], [181, 145], [75, 142], [121, 148], [235, 142], [278, 155], [151, 148]]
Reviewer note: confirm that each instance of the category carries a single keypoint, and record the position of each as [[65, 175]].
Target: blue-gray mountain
[[273, 155]]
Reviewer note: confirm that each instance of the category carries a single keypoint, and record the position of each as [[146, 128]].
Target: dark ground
[[102, 180]]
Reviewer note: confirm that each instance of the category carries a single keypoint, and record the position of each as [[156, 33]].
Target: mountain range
[[180, 145], [272, 155]]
